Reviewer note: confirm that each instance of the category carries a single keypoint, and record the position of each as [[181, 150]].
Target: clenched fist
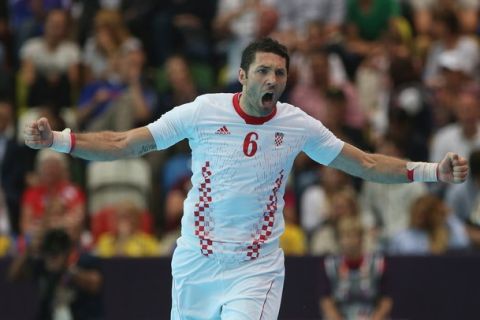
[[38, 134], [453, 169]]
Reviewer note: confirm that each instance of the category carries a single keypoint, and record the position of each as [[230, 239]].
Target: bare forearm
[[107, 145], [89, 280], [383, 309], [384, 169], [372, 167], [329, 309]]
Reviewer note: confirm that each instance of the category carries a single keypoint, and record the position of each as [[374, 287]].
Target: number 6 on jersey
[[250, 144]]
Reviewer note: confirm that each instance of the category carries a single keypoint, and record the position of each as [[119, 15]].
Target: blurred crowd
[[399, 77]]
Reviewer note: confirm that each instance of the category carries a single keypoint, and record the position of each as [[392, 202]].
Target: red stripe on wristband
[[73, 140], [410, 175]]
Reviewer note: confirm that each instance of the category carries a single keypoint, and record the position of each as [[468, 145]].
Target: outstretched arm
[[100, 146], [385, 169]]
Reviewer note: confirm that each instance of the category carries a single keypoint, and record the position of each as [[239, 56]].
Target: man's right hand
[[38, 134]]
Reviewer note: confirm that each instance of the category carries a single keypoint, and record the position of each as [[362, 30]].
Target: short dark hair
[[263, 45]]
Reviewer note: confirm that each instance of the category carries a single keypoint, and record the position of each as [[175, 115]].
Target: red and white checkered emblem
[[278, 138], [203, 220]]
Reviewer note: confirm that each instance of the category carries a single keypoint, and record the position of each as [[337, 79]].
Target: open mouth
[[267, 97]]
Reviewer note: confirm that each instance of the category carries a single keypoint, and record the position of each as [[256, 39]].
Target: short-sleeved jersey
[[240, 166]]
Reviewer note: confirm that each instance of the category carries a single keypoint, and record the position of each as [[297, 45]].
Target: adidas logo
[[223, 130]]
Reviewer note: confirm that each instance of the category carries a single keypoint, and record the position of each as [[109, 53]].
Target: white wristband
[[422, 171], [62, 141]]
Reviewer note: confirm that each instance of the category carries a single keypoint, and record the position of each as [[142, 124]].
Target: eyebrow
[[269, 67]]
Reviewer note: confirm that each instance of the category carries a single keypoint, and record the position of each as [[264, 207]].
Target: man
[[227, 262]]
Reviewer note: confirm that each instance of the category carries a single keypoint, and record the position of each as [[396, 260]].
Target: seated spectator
[[49, 64], [464, 200], [336, 120], [355, 281], [424, 12], [463, 135], [180, 87], [316, 201], [453, 78], [127, 238], [386, 208], [296, 16], [183, 26], [236, 24], [174, 213], [324, 241], [13, 165], [70, 282], [310, 94], [433, 229], [55, 202], [293, 240], [119, 103], [410, 112], [449, 38], [110, 36]]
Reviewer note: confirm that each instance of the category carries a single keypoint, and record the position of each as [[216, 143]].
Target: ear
[[242, 76]]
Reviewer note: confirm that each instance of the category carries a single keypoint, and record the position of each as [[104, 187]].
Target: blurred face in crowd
[[177, 72], [52, 171], [320, 68], [467, 110], [263, 83], [56, 26], [350, 237]]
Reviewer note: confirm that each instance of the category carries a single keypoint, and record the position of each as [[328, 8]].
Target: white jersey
[[240, 166]]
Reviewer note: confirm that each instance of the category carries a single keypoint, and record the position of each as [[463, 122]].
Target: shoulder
[[215, 98], [447, 131]]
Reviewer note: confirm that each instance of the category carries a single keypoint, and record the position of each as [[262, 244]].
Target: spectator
[[410, 111], [120, 102], [55, 202], [355, 280], [432, 230], [366, 22], [293, 241], [453, 78], [26, 18], [316, 201], [336, 119], [296, 16], [127, 239], [385, 209], [463, 135], [180, 87], [448, 38], [464, 200], [49, 64], [324, 240], [13, 165], [110, 36], [239, 22], [69, 282], [310, 95], [174, 213], [184, 26], [465, 10]]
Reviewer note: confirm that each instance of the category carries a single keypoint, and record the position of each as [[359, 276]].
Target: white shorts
[[206, 288]]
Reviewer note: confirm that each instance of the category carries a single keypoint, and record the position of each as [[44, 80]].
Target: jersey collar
[[248, 118]]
